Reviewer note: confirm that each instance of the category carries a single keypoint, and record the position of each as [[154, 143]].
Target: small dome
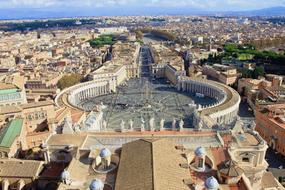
[[200, 151], [65, 175], [96, 184], [211, 183], [105, 152]]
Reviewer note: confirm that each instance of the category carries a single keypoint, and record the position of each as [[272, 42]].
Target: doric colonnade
[[225, 110], [87, 91], [82, 92]]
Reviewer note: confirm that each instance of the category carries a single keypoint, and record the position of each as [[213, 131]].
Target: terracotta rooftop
[[220, 155], [76, 115], [37, 104], [10, 109], [151, 164], [53, 170], [5, 86], [268, 181], [246, 139], [230, 169], [20, 168], [66, 139]]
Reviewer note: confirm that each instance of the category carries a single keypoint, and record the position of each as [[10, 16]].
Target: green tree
[[246, 73], [139, 34], [69, 80], [102, 40], [258, 72]]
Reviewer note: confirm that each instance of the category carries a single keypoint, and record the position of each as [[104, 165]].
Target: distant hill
[[273, 11], [114, 11], [9, 14]]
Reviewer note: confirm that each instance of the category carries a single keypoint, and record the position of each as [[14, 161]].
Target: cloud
[[33, 3], [203, 4]]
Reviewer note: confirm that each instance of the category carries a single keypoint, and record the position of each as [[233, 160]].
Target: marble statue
[[103, 106], [142, 120], [200, 125], [199, 107], [122, 125], [181, 124], [131, 124], [104, 124], [162, 124], [77, 128], [142, 127], [142, 124], [54, 128], [67, 126], [97, 108], [151, 124]]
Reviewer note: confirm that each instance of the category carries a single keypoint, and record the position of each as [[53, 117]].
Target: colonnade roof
[[232, 99], [232, 96]]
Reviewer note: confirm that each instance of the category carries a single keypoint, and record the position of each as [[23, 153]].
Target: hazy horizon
[[17, 9], [214, 5]]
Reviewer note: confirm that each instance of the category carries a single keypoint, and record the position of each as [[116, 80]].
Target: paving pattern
[[146, 97], [142, 99]]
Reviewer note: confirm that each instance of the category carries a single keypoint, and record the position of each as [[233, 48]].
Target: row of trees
[[164, 34], [158, 33], [40, 24], [139, 34]]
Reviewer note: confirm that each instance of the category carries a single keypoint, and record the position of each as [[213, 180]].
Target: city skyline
[[209, 5], [21, 9]]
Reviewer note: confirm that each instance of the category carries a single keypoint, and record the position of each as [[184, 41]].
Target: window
[[245, 159], [200, 163], [281, 179]]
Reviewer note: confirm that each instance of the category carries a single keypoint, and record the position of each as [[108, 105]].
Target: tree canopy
[[158, 33], [257, 72], [69, 80], [249, 52], [102, 40]]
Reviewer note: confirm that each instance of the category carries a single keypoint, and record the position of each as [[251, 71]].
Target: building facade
[[12, 95], [270, 123]]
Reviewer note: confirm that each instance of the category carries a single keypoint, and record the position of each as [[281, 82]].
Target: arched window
[[200, 163]]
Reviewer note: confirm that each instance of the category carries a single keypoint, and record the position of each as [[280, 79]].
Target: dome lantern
[[211, 183], [200, 152], [104, 153], [96, 184]]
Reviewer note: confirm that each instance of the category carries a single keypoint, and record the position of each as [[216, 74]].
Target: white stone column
[[21, 184], [93, 92], [5, 184], [46, 156]]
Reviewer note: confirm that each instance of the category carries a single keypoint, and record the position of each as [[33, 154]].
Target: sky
[[214, 5], [34, 9]]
